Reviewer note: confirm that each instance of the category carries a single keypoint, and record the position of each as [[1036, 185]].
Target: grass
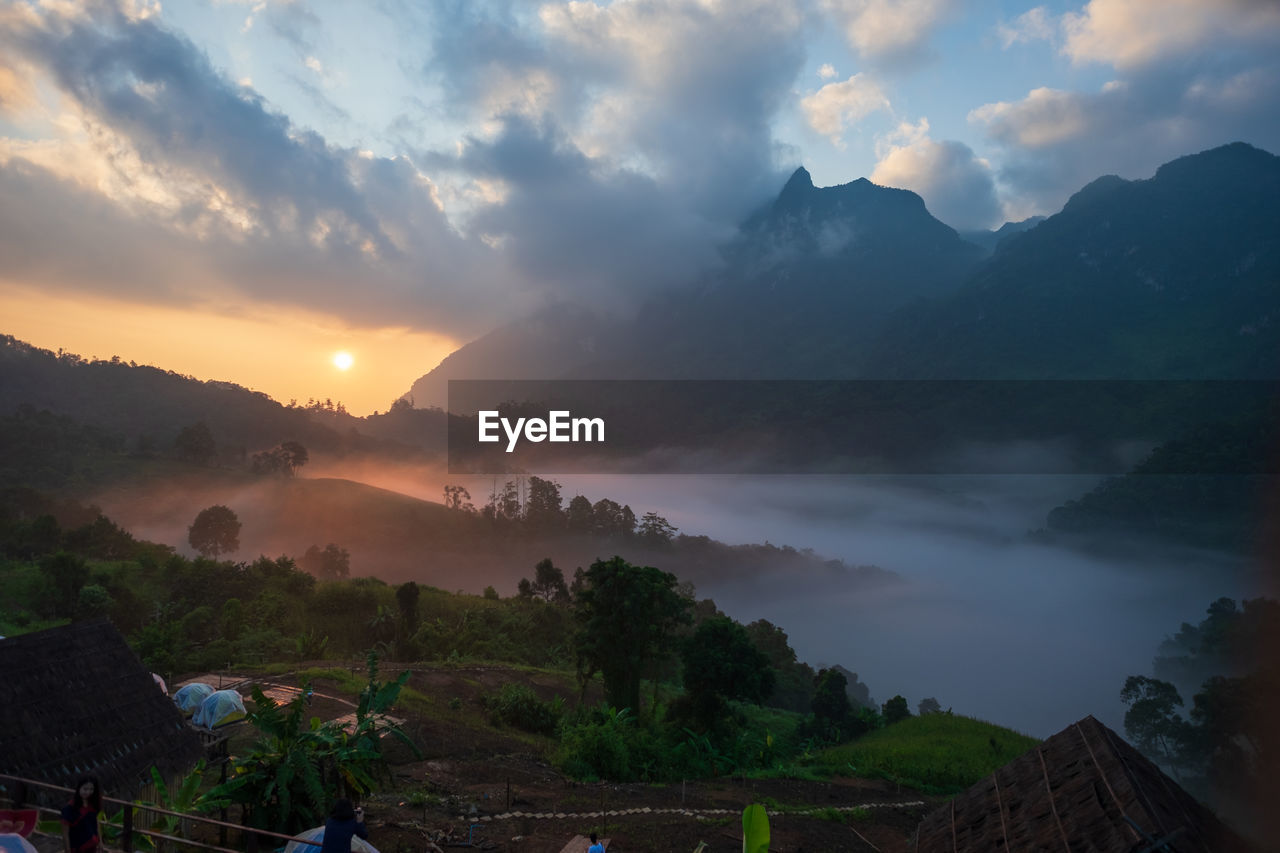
[[936, 753]]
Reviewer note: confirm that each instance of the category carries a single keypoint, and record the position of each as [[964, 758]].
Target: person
[[80, 818], [596, 846], [343, 823]]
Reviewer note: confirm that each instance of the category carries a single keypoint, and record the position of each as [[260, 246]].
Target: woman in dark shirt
[[343, 823], [80, 818]]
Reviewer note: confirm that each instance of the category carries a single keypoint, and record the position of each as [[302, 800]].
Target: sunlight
[[343, 360]]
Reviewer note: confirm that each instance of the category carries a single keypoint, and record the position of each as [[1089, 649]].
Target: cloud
[[168, 181], [887, 30], [569, 223], [1044, 118], [1131, 33], [837, 105], [658, 113], [957, 186], [172, 182], [1032, 25], [827, 71], [1056, 141]]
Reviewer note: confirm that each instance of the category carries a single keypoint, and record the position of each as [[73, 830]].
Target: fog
[[988, 620], [990, 623]]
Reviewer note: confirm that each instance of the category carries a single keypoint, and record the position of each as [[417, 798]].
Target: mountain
[[798, 292], [1176, 276], [989, 240], [551, 343], [92, 410], [803, 285]]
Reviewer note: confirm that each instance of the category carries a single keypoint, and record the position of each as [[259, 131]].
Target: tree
[[577, 517], [655, 530], [1152, 722], [721, 663], [548, 583], [283, 459], [333, 563], [609, 519], [896, 710], [627, 614], [407, 595], [929, 706], [69, 573], [295, 456], [216, 530], [458, 498], [490, 594], [542, 508], [795, 680], [1232, 736], [831, 709], [195, 444]]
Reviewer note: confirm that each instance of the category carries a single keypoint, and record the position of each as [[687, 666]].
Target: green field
[[935, 753]]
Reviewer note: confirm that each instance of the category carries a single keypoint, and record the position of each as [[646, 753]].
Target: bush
[[610, 744], [592, 751], [517, 705]]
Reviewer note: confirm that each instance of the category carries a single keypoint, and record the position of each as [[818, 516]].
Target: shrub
[[517, 705]]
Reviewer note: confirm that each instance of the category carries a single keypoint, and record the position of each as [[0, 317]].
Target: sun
[[343, 360]]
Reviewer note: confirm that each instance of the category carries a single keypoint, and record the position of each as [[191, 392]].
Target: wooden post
[[126, 829], [222, 830]]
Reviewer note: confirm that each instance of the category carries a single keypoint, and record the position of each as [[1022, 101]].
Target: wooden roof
[[1073, 793], [76, 700]]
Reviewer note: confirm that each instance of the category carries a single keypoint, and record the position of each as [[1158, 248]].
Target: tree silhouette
[[333, 563], [721, 663], [627, 614], [216, 530], [195, 444], [896, 710]]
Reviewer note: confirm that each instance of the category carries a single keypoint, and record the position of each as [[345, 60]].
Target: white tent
[[219, 708], [188, 698], [11, 843], [358, 845]]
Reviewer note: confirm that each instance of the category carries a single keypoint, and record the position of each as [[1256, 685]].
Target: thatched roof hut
[[76, 700], [1084, 790]]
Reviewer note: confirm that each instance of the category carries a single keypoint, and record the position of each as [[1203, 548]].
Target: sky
[[240, 189]]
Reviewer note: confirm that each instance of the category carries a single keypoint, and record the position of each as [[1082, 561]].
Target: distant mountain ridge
[[809, 275], [1175, 276]]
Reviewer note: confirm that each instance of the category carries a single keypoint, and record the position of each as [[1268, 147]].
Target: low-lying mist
[[990, 621]]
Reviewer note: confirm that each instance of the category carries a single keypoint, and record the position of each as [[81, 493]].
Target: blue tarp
[[189, 698], [220, 708]]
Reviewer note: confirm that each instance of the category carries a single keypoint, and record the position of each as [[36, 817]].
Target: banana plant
[[755, 829], [185, 798]]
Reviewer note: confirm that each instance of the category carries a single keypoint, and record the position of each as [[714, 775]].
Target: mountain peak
[[800, 182], [1238, 158]]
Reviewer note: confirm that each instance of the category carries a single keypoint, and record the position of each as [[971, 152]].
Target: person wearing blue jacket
[[344, 822]]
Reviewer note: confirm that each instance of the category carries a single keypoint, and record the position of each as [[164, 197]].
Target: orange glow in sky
[[284, 355]]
